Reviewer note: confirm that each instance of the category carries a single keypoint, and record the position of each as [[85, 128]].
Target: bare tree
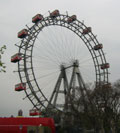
[[99, 109], [106, 103]]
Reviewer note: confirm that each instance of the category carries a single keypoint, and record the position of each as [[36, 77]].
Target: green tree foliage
[[2, 65]]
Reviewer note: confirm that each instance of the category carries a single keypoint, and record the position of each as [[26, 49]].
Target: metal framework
[[26, 70]]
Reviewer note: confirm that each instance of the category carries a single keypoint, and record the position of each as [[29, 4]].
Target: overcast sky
[[102, 15]]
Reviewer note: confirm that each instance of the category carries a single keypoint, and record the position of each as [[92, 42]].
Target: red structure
[[37, 18], [16, 58], [108, 85], [23, 33], [34, 112], [22, 125], [97, 47], [20, 87], [86, 30], [105, 66], [71, 19], [54, 14]]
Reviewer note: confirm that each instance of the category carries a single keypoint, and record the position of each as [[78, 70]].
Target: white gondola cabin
[[71, 19], [37, 18], [23, 33], [16, 58], [54, 14], [86, 30], [34, 112], [97, 47], [20, 87], [105, 66]]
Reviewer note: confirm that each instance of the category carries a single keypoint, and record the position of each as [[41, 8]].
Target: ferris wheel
[[58, 56]]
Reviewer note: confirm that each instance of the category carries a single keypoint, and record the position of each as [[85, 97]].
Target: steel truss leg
[[54, 96]]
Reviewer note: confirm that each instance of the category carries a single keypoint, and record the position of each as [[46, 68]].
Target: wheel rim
[[26, 67]]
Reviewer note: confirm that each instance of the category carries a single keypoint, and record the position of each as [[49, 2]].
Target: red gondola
[[16, 58], [97, 47], [20, 87], [54, 14], [105, 66], [23, 33], [34, 112], [107, 85], [71, 19], [37, 18], [87, 30]]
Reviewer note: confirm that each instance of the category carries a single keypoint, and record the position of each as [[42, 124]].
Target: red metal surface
[[108, 85], [87, 30], [20, 87], [23, 33], [19, 125], [37, 18], [54, 13], [97, 47], [16, 59], [72, 18], [34, 112], [104, 66]]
